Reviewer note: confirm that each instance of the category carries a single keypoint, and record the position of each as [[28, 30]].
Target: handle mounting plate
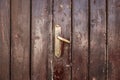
[[57, 41]]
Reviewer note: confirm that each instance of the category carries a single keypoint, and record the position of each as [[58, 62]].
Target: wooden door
[[88, 35]]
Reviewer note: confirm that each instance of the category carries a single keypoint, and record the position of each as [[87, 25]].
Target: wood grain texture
[[50, 41], [80, 40], [62, 17], [98, 40], [20, 43], [41, 39], [113, 39], [4, 39]]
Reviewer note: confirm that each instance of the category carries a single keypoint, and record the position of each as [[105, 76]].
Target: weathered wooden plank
[[4, 39], [80, 40], [41, 39], [20, 43], [113, 39], [50, 41], [62, 17], [98, 40]]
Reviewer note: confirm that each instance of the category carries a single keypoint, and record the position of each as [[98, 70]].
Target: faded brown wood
[[4, 39], [98, 40], [80, 60], [80, 40], [62, 17], [113, 39], [20, 39], [41, 39]]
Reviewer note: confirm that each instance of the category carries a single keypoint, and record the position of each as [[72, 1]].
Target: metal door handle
[[63, 39], [58, 40]]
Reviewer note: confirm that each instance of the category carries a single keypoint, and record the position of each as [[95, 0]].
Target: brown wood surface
[[41, 39], [80, 40], [62, 17], [92, 26], [113, 39], [20, 39], [4, 39], [97, 40]]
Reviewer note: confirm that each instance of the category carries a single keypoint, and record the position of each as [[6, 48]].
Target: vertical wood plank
[[41, 39], [20, 45], [80, 40], [62, 17], [98, 40], [113, 39], [4, 39], [50, 41]]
